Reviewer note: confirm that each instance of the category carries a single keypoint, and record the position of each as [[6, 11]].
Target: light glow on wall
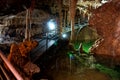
[[51, 25]]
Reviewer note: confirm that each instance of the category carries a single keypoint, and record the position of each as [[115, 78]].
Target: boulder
[[106, 20]]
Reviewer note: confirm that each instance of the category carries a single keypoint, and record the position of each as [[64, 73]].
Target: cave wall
[[18, 33], [87, 34], [3, 30], [106, 20]]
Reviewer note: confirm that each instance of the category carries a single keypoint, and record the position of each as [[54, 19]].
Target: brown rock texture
[[19, 57], [106, 20]]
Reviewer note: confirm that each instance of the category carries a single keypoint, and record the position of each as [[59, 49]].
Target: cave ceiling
[[13, 6], [8, 7]]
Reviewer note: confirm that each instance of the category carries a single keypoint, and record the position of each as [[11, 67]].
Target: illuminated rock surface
[[19, 57], [106, 20]]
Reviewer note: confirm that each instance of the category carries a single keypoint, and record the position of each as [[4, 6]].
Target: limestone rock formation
[[106, 20], [86, 34], [19, 57]]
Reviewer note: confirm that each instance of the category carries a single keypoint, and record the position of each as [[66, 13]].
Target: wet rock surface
[[106, 20]]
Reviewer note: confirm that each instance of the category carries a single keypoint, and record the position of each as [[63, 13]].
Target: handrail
[[4, 72], [9, 65]]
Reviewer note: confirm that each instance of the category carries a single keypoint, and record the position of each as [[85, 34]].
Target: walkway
[[43, 45], [67, 29], [46, 43]]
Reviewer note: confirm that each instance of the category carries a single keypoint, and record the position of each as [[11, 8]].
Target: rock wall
[[106, 20], [87, 34], [20, 58], [18, 33], [3, 29]]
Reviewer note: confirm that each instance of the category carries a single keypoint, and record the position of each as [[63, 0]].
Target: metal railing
[[4, 74], [10, 66]]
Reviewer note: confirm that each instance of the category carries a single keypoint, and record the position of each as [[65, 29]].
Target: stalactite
[[26, 31], [72, 8], [60, 14]]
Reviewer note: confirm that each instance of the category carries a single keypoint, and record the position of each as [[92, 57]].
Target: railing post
[[9, 65]]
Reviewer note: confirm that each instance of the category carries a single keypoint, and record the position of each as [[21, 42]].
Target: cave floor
[[62, 70], [86, 75]]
